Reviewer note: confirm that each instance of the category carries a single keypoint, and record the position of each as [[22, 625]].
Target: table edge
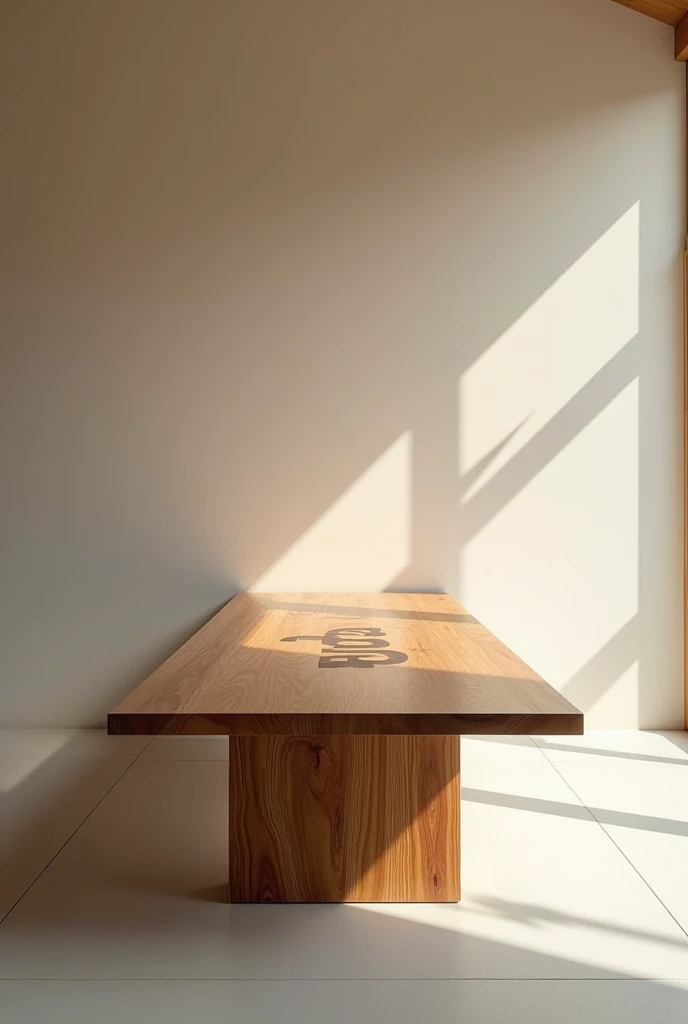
[[564, 723]]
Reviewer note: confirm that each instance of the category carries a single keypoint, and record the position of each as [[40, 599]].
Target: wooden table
[[344, 713]]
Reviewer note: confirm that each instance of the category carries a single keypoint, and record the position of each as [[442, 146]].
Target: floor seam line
[[623, 979], [68, 840], [186, 760], [622, 852]]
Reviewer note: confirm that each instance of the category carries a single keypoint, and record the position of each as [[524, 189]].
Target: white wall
[[356, 295]]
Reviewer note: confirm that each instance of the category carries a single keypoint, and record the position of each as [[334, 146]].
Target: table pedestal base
[[350, 818]]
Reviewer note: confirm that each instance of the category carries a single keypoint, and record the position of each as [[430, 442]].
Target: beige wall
[[339, 295]]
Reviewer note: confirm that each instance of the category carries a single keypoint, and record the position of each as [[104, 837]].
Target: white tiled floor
[[574, 872]]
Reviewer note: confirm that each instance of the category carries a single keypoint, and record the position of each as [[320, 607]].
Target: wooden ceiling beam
[[669, 11], [681, 39]]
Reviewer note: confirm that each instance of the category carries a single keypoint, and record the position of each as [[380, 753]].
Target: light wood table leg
[[330, 819]]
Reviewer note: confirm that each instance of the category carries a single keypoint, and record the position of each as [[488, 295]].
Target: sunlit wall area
[[340, 296], [549, 457], [362, 541]]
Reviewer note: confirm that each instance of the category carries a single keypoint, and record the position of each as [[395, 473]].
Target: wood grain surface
[[681, 39], [668, 11], [327, 819], [313, 664]]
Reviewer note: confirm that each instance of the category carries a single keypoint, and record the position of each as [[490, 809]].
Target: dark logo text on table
[[353, 648]]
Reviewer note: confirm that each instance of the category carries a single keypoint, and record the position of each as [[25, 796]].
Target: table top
[[312, 664]]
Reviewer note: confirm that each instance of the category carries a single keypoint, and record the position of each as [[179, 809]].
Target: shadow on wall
[[311, 298]]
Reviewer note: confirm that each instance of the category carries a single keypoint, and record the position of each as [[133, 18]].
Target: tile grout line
[[621, 979], [185, 760], [615, 844], [543, 752], [79, 826], [66, 980], [72, 759]]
